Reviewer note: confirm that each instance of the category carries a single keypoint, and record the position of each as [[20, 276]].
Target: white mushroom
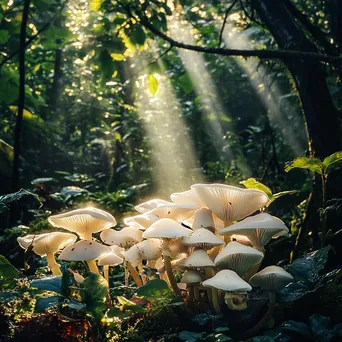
[[187, 197], [124, 237], [47, 245], [259, 229], [84, 222], [149, 205], [203, 238]]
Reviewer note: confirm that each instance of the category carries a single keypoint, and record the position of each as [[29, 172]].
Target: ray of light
[[212, 108], [174, 165], [266, 88]]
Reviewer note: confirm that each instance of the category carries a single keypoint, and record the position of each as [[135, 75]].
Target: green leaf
[[107, 65], [297, 327], [6, 159], [155, 289], [333, 162], [3, 36], [128, 305], [7, 270], [9, 198], [308, 163], [190, 336], [117, 312], [93, 294], [137, 35], [6, 296], [185, 83], [152, 84], [53, 284], [44, 303], [95, 5], [252, 183]]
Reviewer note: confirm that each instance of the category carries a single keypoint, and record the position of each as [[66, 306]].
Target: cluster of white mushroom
[[195, 234]]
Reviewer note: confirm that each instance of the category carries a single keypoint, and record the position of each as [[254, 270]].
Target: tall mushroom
[[84, 221], [230, 203], [271, 279], [167, 229], [85, 250], [47, 245], [124, 237]]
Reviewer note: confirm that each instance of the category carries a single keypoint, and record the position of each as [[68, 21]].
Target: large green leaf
[[3, 36], [137, 35], [128, 305], [6, 159], [93, 294], [155, 289], [333, 162], [53, 284], [9, 198], [308, 163]]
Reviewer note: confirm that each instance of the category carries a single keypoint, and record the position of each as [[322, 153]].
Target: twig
[[32, 38], [225, 20], [264, 54]]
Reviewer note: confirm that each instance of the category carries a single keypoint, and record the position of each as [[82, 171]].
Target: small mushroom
[[144, 220], [203, 238], [85, 250], [167, 229], [149, 205], [234, 287], [198, 259], [204, 219], [107, 260], [259, 229], [192, 279], [238, 258], [47, 245], [84, 221], [177, 212], [124, 237]]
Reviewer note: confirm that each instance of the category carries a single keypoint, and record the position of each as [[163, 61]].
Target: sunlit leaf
[[308, 163], [154, 290], [95, 5], [7, 272], [152, 84], [333, 162], [252, 183], [127, 304]]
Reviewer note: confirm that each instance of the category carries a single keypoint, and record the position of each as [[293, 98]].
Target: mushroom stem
[[263, 322], [54, 267], [254, 269], [134, 274], [93, 267], [86, 236], [106, 273], [141, 271], [197, 293], [235, 301], [168, 267], [191, 293], [126, 273], [227, 239], [212, 293]]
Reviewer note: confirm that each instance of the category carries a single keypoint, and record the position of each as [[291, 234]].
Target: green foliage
[[252, 183], [308, 275], [152, 84], [155, 290], [6, 159], [6, 200], [8, 273], [328, 165]]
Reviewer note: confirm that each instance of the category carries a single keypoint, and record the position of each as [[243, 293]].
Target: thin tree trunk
[[21, 99]]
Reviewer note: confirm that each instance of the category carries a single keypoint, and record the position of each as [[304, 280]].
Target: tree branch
[[263, 54], [225, 20], [32, 38]]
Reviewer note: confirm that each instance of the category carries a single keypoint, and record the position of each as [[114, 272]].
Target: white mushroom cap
[[187, 197], [203, 238], [227, 281], [198, 258], [241, 239], [167, 229], [84, 250], [117, 250], [259, 229], [132, 255], [203, 219], [149, 205], [84, 221], [177, 212], [238, 258], [127, 235], [144, 220], [230, 203], [191, 277], [111, 259], [271, 278], [150, 249], [47, 243]]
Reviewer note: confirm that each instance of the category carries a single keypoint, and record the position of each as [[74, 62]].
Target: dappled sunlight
[[266, 87], [174, 165]]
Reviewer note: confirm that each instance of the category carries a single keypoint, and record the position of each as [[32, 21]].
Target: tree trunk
[[321, 116], [21, 98]]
